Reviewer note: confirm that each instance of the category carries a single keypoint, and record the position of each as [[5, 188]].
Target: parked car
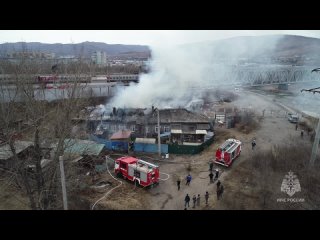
[[293, 118]]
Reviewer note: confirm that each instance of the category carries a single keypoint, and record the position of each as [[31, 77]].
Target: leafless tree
[[23, 112]]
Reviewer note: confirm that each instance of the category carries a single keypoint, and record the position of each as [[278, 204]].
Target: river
[[306, 102]]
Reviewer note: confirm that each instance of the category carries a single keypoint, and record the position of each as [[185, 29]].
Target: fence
[[119, 146], [102, 141], [150, 148], [153, 148], [184, 149], [274, 113], [111, 145]]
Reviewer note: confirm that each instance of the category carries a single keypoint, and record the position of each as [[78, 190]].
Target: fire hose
[[164, 174], [110, 189]]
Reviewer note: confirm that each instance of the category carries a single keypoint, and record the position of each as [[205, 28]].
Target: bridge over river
[[253, 76], [237, 76]]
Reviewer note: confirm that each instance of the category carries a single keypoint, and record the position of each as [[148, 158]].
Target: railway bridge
[[260, 76]]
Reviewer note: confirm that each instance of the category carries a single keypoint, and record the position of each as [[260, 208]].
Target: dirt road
[[274, 130]]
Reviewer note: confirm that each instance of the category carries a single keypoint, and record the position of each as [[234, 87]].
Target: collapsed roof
[[141, 116]]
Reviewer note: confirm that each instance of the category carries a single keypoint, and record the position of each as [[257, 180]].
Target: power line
[[315, 146], [313, 90]]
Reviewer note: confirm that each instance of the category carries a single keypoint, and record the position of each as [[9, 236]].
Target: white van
[[293, 118]]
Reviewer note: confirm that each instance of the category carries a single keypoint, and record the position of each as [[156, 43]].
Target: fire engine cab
[[136, 170], [228, 151]]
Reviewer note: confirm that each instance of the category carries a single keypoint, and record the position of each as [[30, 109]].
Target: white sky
[[140, 37]]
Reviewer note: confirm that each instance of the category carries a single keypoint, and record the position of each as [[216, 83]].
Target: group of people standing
[[196, 198], [188, 178]]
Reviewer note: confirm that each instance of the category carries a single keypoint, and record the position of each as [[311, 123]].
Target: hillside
[[250, 47], [269, 46], [85, 48]]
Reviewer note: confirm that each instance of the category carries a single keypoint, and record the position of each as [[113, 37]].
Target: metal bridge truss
[[259, 77]]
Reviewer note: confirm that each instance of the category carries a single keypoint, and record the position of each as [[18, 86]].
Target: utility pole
[[63, 184], [315, 145], [159, 143]]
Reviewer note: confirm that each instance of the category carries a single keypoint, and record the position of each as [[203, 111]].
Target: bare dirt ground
[[274, 130], [10, 197], [238, 180]]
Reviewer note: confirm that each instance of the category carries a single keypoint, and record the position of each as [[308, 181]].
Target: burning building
[[176, 125]]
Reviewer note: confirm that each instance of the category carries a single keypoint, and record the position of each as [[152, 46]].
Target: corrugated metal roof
[[176, 131], [82, 147], [146, 140], [5, 151], [180, 115], [201, 132], [165, 134], [191, 144], [123, 134]]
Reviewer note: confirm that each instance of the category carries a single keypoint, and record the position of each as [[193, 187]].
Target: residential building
[[176, 125], [99, 58]]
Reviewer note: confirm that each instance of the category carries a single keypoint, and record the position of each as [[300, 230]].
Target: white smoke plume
[[175, 71]]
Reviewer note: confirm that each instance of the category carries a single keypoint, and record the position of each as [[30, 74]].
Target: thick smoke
[[174, 71], [182, 73], [306, 102]]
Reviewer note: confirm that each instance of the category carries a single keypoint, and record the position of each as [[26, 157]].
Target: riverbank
[[308, 118]]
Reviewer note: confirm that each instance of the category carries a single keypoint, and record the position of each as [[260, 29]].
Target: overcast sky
[[140, 37]]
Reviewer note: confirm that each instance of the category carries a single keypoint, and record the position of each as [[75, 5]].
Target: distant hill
[[250, 47], [269, 46], [86, 48]]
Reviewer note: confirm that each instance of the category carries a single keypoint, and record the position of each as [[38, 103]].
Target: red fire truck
[[137, 170], [227, 152]]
